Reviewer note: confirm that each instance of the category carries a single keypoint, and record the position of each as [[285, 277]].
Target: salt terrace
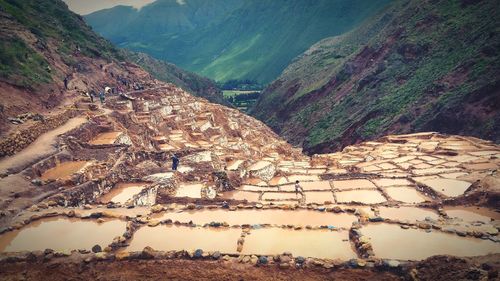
[[110, 189]]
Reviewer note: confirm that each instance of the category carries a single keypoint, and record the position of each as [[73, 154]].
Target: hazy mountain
[[230, 39], [416, 66]]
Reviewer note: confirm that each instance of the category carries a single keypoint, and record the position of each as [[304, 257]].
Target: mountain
[[416, 66], [188, 81], [230, 39], [42, 42]]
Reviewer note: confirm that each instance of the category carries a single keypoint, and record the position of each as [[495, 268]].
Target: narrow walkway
[[40, 148]]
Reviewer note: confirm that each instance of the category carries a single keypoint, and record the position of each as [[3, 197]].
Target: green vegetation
[[188, 81], [244, 85], [416, 66], [243, 100], [52, 26], [231, 39], [22, 64], [43, 30]]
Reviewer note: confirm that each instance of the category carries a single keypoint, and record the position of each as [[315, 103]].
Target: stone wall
[[22, 138]]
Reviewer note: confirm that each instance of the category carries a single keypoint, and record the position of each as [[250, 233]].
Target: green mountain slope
[[417, 66], [41, 42], [30, 28], [249, 39], [188, 81]]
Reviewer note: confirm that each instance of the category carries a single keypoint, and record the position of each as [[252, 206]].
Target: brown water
[[318, 185], [306, 243], [241, 195], [277, 181], [280, 196], [258, 188], [407, 213], [353, 184], [63, 170], [279, 217], [448, 187], [189, 190], [471, 214], [171, 237], [391, 182], [319, 197], [294, 178], [362, 196], [434, 171], [122, 192], [392, 242], [406, 194], [105, 138], [61, 234], [386, 166], [481, 166]]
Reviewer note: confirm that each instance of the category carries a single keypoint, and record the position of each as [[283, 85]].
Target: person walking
[[175, 162], [92, 95], [101, 97], [298, 189]]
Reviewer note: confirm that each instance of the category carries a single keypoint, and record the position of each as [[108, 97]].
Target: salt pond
[[392, 242], [63, 170], [171, 237], [279, 217], [306, 243], [61, 234]]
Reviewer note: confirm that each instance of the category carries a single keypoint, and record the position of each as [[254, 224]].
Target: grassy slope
[[255, 41], [419, 65], [52, 25], [48, 20], [191, 82]]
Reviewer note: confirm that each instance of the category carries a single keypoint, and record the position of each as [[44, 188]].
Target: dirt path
[[176, 270], [39, 149]]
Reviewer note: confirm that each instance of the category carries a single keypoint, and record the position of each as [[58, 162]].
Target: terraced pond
[[61, 234]]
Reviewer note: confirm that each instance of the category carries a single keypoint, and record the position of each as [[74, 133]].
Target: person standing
[[298, 189], [101, 97], [175, 162], [92, 95]]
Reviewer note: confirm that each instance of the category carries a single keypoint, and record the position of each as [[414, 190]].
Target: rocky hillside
[[197, 85], [417, 66], [230, 39], [42, 43]]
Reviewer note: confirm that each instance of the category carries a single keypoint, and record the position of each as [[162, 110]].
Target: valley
[[232, 200], [235, 39], [118, 166], [244, 100]]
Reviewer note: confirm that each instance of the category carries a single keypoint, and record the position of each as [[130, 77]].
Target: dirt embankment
[[434, 268], [176, 270]]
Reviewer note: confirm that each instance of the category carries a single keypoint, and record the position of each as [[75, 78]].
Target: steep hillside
[[245, 40], [188, 81], [417, 66], [42, 43]]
